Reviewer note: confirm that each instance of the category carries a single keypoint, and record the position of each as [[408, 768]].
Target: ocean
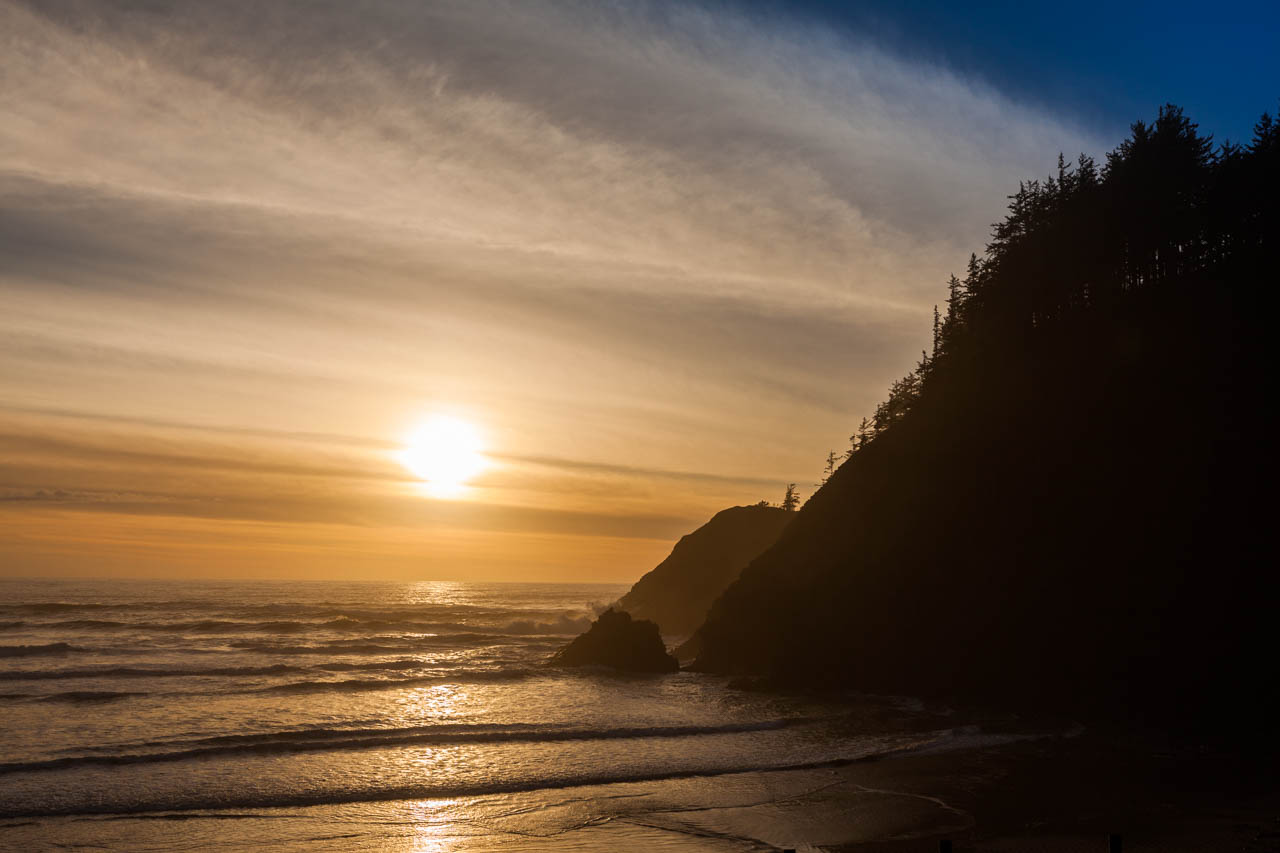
[[158, 715]]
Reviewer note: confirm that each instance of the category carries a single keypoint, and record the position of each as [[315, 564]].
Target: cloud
[[686, 138], [671, 248], [184, 470], [63, 496], [189, 454]]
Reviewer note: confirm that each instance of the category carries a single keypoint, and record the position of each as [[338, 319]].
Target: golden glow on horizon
[[445, 452]]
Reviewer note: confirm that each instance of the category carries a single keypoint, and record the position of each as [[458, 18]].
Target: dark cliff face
[[678, 593], [618, 641], [1072, 512], [1073, 546]]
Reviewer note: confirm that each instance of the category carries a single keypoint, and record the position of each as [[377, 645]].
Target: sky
[[661, 256]]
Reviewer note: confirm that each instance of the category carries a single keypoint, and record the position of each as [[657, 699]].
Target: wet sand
[[1057, 794], [1068, 795]]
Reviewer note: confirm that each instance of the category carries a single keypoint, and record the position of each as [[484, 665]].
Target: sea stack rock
[[617, 640]]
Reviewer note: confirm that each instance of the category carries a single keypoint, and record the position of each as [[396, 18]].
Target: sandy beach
[[1054, 794]]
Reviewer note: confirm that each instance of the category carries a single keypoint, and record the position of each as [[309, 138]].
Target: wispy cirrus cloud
[[630, 238]]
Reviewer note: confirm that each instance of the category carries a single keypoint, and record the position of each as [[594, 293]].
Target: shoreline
[[1063, 796], [1058, 794]]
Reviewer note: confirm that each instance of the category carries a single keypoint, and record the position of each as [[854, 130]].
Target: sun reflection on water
[[435, 825], [437, 702]]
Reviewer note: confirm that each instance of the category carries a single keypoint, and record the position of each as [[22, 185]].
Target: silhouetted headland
[[618, 641], [678, 593], [1060, 507]]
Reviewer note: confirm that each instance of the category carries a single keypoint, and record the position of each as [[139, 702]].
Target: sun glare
[[445, 452]]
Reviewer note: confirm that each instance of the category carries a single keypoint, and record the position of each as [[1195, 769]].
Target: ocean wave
[[203, 672], [51, 607], [226, 626], [37, 608], [474, 614], [564, 625], [388, 644], [389, 666], [200, 626], [352, 685], [38, 651], [139, 672], [569, 779], [326, 649], [516, 627], [79, 696], [366, 684], [359, 611], [560, 626], [325, 740]]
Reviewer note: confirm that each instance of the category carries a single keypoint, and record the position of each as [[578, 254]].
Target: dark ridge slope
[[680, 590], [1065, 505]]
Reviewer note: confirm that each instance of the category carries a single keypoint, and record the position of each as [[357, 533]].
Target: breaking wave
[[320, 740], [38, 651], [364, 684], [88, 696], [205, 672]]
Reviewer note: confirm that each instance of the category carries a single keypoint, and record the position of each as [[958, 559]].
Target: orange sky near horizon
[[663, 266]]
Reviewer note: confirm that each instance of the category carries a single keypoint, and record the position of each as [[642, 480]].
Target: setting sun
[[446, 452]]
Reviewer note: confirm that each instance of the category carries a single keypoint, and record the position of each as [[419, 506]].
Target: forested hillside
[[1068, 503]]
